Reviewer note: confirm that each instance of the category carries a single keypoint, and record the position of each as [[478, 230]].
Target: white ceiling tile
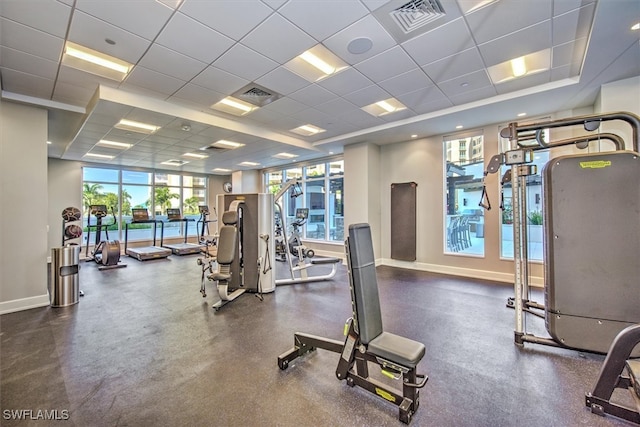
[[91, 32], [361, 119], [523, 42], [264, 115], [430, 47], [432, 105], [366, 27], [420, 96], [569, 52], [27, 84], [274, 4], [473, 95], [202, 43], [232, 18], [337, 107], [20, 37], [244, 62], [454, 66], [367, 96], [524, 82], [407, 82], [322, 18], [52, 16], [282, 81], [171, 63], [144, 18], [560, 7], [468, 82], [345, 82], [72, 94], [374, 4], [278, 39], [83, 79], [219, 80], [312, 95], [387, 64], [573, 25], [153, 80], [398, 115], [505, 17], [285, 106], [20, 61]]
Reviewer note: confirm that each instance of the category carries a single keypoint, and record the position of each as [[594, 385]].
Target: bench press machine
[[365, 340]]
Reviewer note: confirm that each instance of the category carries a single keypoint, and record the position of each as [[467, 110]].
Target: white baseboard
[[458, 271], [24, 304]]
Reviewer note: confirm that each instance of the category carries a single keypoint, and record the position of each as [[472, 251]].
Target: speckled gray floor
[[144, 348]]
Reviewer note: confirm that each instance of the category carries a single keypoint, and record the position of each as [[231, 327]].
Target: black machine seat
[[397, 349], [366, 343], [366, 304]]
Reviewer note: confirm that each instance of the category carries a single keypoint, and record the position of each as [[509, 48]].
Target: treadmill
[[184, 248], [141, 216]]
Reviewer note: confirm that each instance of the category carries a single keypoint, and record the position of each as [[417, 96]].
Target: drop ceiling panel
[[473, 95], [282, 81], [387, 64], [219, 80], [568, 53], [27, 84], [52, 18], [430, 47], [202, 43], [322, 18], [152, 80], [421, 96], [524, 82], [367, 96], [368, 26], [573, 25], [82, 79], [196, 96], [144, 18], [312, 95], [505, 17], [285, 106], [407, 82], [345, 82], [34, 42], [244, 62], [171, 63], [69, 93], [278, 39], [91, 32], [454, 66], [35, 65], [232, 18], [523, 42], [336, 107]]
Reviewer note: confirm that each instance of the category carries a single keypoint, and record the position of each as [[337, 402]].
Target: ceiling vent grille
[[256, 95], [416, 14]]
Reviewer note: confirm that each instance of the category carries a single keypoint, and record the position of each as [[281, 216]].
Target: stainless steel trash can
[[65, 281]]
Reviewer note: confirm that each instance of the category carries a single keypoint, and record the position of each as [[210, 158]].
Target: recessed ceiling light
[[195, 155], [220, 170], [175, 162], [384, 107], [134, 126], [522, 66], [636, 26], [307, 130], [113, 144], [99, 156], [49, 142], [94, 62], [234, 106], [316, 63], [414, 136], [459, 127], [226, 144], [522, 114], [285, 156], [249, 164]]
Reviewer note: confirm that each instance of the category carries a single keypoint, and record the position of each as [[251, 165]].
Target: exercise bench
[[365, 341]]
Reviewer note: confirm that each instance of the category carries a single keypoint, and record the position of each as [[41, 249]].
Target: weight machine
[[293, 246], [106, 253]]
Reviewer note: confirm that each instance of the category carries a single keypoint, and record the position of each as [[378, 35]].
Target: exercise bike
[[296, 247], [106, 253]]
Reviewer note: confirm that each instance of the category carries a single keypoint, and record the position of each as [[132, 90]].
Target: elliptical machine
[[106, 253], [296, 247]]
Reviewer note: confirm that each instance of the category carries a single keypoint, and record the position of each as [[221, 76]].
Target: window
[[123, 190], [463, 217], [322, 188], [534, 208]]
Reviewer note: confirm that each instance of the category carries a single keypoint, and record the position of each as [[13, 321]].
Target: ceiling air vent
[[256, 95], [417, 13]]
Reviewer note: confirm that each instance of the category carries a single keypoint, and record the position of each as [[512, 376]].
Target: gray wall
[[65, 190], [23, 218]]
